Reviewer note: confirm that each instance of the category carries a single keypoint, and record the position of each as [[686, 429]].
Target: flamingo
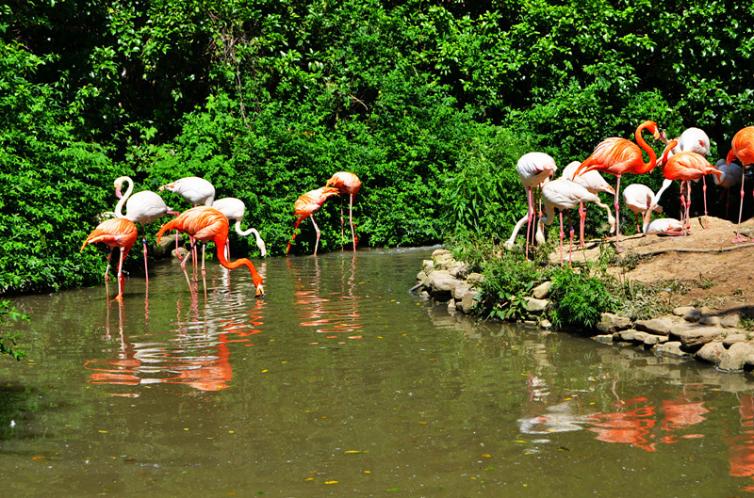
[[619, 156], [115, 232], [198, 191], [206, 223], [731, 176], [638, 198], [346, 183], [694, 140], [533, 168], [567, 194], [234, 209], [305, 207], [742, 148], [593, 182], [684, 166], [143, 208]]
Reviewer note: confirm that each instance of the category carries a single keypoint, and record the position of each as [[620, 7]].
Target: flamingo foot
[[739, 238]]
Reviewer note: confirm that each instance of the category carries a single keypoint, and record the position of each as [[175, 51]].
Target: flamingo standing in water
[[566, 194], [198, 191], [593, 182], [346, 183], [731, 176], [143, 208], [742, 148], [638, 199], [533, 168], [619, 156], [115, 232], [684, 166], [234, 209], [205, 223], [305, 207]]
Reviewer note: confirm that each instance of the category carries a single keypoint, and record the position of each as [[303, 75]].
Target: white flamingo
[[593, 182], [730, 178], [638, 198], [567, 194], [662, 226], [234, 209], [198, 191], [143, 207], [534, 169]]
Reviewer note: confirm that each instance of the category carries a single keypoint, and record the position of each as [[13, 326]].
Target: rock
[[694, 336], [731, 339], [441, 280], [709, 320], [735, 357], [627, 335], [452, 307], [711, 352], [421, 278], [670, 348], [180, 253], [534, 305], [688, 313], [474, 279], [460, 290], [468, 301], [424, 295], [658, 326], [651, 339], [428, 266], [730, 320], [458, 269], [440, 252], [603, 338], [442, 259], [610, 322], [545, 324], [542, 290], [641, 336]]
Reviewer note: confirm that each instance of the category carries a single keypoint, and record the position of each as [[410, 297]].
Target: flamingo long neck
[[243, 233], [220, 243], [124, 198], [649, 166]]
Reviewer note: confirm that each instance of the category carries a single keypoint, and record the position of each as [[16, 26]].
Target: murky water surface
[[340, 383]]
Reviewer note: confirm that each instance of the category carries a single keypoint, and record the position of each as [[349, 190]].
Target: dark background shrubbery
[[430, 104]]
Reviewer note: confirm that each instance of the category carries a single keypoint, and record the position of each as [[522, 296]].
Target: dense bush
[[9, 316], [579, 298]]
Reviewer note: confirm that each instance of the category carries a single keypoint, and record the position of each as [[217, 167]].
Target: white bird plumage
[[534, 169], [638, 198], [143, 207], [198, 191], [234, 209]]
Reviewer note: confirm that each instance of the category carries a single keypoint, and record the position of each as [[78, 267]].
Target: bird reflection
[[332, 313], [742, 446]]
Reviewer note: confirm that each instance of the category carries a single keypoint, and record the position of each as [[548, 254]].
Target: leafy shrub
[[508, 280], [9, 315], [578, 298]]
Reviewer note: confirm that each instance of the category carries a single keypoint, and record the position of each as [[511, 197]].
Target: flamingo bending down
[[619, 156], [346, 183], [731, 176], [305, 207], [234, 209], [533, 168], [198, 191], [115, 232], [661, 226], [593, 182], [742, 148], [566, 194], [684, 166], [143, 208], [206, 223], [638, 199]]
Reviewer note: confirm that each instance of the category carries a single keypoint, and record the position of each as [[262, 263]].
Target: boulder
[[603, 338], [658, 326], [458, 269], [627, 335], [709, 320], [460, 290], [534, 305], [695, 336], [542, 290], [711, 352], [688, 313], [474, 279], [730, 320], [610, 322], [442, 259], [670, 348], [735, 357], [428, 266], [731, 339], [545, 324], [469, 300], [651, 339], [441, 280]]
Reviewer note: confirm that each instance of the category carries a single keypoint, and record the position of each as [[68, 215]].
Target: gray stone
[[711, 352], [670, 348], [421, 278], [694, 335], [545, 324], [440, 280], [730, 320], [610, 322], [458, 269], [534, 305], [688, 313], [709, 320], [603, 338], [460, 290], [440, 252], [474, 279], [731, 339], [424, 295], [735, 357], [428, 266], [442, 259], [468, 301], [628, 335], [542, 290], [651, 339], [658, 326]]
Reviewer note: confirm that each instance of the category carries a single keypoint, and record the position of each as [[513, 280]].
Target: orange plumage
[[206, 223], [742, 147], [116, 232], [305, 207]]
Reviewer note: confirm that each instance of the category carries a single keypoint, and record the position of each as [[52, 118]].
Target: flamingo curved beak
[[259, 291]]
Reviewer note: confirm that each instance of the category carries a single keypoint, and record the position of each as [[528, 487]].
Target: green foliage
[[579, 298], [508, 280], [10, 315]]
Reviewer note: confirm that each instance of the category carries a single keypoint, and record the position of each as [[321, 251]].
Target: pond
[[341, 383]]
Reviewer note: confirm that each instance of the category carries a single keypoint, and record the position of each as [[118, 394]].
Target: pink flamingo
[[305, 207], [593, 182], [116, 232], [533, 168], [731, 177], [742, 148], [693, 140], [346, 183]]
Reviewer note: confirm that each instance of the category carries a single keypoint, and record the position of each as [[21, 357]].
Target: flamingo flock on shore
[[683, 159], [207, 221]]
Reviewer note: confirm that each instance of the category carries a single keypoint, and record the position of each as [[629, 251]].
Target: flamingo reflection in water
[[741, 458], [332, 313]]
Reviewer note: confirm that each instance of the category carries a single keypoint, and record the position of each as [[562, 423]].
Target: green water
[[341, 383]]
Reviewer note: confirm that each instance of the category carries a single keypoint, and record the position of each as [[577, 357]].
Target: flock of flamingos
[[208, 220], [683, 159]]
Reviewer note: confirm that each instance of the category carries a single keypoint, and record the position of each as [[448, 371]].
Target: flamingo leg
[[616, 205], [204, 248], [350, 220], [704, 190], [636, 218], [183, 265], [582, 222], [146, 268], [342, 228], [121, 278], [562, 235], [316, 228], [529, 227], [683, 205], [107, 268], [738, 237], [688, 204], [570, 246]]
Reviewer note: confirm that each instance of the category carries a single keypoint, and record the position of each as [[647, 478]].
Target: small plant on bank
[[508, 280], [9, 314], [579, 298]]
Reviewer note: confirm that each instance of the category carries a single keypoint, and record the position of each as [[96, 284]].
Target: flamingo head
[[328, 192], [118, 183], [170, 187]]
